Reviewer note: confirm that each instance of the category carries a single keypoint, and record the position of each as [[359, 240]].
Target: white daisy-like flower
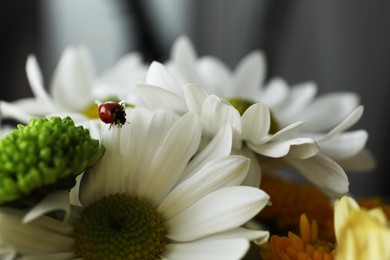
[[150, 197], [69, 91], [330, 112], [251, 130]]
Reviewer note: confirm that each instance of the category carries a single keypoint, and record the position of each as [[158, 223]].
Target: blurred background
[[341, 45]]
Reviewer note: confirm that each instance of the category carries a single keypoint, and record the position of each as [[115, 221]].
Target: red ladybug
[[112, 113]]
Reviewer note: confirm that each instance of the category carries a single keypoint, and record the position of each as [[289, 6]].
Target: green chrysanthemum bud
[[242, 105], [43, 156]]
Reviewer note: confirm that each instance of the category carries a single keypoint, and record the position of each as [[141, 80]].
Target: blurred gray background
[[342, 45]]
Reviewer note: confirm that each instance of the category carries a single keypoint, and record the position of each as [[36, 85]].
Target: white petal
[[216, 76], [58, 200], [256, 122], [9, 110], [43, 235], [305, 147], [124, 70], [275, 93], [157, 97], [324, 172], [288, 132], [218, 211], [345, 145], [7, 252], [226, 249], [259, 236], [327, 111], [72, 79], [33, 106], [349, 121], [254, 174], [158, 75], [364, 161], [250, 73], [50, 256], [184, 57], [219, 146], [35, 78], [300, 96], [217, 174], [171, 158], [195, 96], [216, 114]]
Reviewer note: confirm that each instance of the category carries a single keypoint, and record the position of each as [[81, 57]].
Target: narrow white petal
[[253, 177], [105, 176], [363, 161], [43, 235], [218, 211], [123, 71], [184, 57], [195, 96], [216, 114], [7, 252], [300, 96], [171, 158], [256, 122], [51, 256], [9, 110], [217, 174], [35, 78], [158, 75], [344, 145], [56, 201], [216, 76], [287, 132], [73, 78], [349, 121], [305, 147], [327, 111], [224, 249], [157, 97], [259, 236], [33, 106], [218, 147], [275, 93], [324, 172], [249, 75]]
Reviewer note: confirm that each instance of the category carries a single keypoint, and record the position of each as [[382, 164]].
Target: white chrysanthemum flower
[[251, 130], [69, 91], [149, 197], [287, 104]]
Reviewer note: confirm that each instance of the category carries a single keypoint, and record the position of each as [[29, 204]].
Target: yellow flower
[[361, 234], [304, 247]]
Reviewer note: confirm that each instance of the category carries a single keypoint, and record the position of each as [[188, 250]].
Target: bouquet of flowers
[[184, 159]]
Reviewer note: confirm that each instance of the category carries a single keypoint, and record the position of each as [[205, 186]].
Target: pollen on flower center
[[242, 105], [120, 226]]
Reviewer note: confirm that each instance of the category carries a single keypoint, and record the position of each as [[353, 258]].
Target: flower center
[[242, 105], [120, 226]]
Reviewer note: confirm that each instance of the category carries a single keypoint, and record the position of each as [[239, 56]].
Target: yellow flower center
[[120, 226]]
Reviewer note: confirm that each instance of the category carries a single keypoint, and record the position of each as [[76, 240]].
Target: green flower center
[[120, 226], [242, 105]]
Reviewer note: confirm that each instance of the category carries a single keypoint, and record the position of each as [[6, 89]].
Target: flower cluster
[[181, 178]]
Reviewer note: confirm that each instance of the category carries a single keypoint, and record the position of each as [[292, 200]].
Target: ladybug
[[112, 113]]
